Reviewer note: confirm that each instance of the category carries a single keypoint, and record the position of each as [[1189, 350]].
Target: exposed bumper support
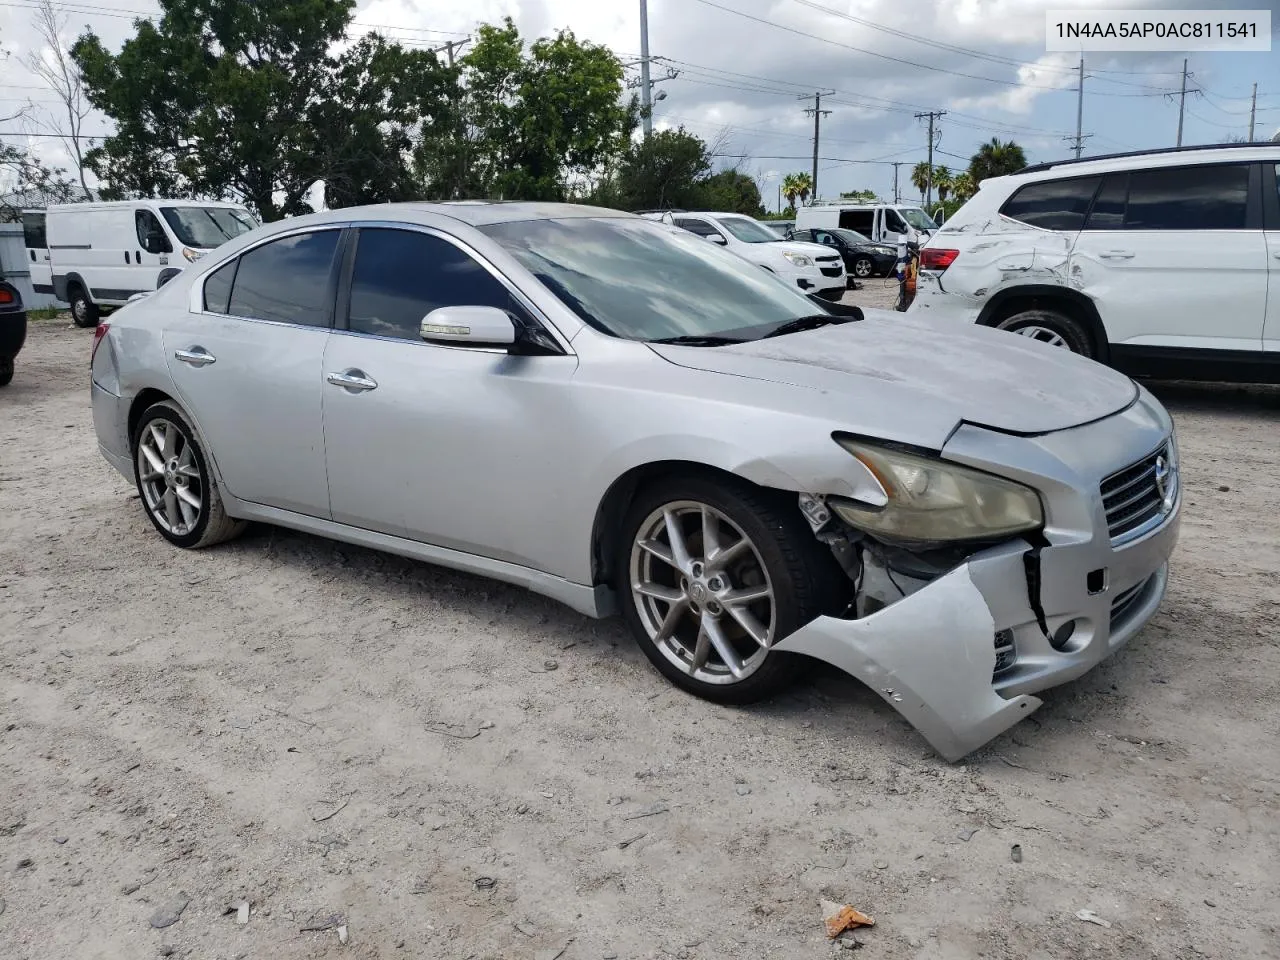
[[930, 655]]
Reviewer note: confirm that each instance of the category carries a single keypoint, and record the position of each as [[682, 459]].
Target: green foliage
[[920, 177], [31, 182], [672, 168], [996, 158], [859, 196], [796, 187], [963, 186], [223, 98], [732, 191]]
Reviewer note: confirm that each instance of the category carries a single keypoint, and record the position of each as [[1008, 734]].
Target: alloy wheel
[[702, 592], [169, 476], [1043, 335], [862, 268]]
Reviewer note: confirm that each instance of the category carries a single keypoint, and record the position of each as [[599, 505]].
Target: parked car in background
[[1163, 263], [956, 518], [781, 227], [807, 266], [862, 257], [13, 329], [98, 255], [880, 222]]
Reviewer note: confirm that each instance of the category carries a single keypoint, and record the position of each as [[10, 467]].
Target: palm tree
[[962, 186], [943, 182], [996, 159], [920, 177], [791, 188]]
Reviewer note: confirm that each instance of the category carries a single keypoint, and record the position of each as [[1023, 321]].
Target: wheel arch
[[73, 280], [1078, 306], [151, 395]]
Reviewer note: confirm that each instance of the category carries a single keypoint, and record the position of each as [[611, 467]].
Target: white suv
[[1163, 263], [810, 267]]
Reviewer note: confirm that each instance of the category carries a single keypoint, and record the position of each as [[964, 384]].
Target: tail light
[[6, 296], [936, 258], [99, 335]]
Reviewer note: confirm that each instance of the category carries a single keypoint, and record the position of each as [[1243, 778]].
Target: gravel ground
[[342, 737]]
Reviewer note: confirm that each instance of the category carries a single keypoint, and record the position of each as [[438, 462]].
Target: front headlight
[[190, 255], [799, 259], [932, 500]]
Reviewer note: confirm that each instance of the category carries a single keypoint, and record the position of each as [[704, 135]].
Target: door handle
[[1117, 255], [196, 356], [353, 380]]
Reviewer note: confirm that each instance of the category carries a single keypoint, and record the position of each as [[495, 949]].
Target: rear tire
[[759, 574], [176, 486], [1051, 327], [6, 371], [83, 310]]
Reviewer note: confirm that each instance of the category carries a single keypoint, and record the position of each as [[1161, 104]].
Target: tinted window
[[287, 280], [893, 223], [1188, 198], [1108, 206], [217, 288], [151, 236], [33, 231], [1053, 205], [864, 221], [700, 227], [401, 276]]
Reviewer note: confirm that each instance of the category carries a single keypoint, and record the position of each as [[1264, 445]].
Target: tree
[[963, 186], [859, 196], [943, 181], [796, 187], [996, 158], [54, 66], [30, 183], [920, 175], [666, 169], [732, 191]]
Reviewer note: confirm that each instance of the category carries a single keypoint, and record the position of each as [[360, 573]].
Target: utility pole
[[897, 197], [1253, 111], [817, 113], [646, 102], [1182, 101], [932, 115], [1080, 108], [449, 47]]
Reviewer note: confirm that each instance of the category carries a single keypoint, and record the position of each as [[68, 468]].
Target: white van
[[98, 255], [882, 222]]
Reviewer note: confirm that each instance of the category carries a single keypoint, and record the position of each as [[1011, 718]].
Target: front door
[[37, 245], [153, 252], [438, 443], [1175, 259], [248, 369]]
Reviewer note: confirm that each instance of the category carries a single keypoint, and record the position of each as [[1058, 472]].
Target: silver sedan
[[619, 415]]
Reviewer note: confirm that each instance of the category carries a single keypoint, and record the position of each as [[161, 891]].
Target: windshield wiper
[[800, 324], [699, 340]]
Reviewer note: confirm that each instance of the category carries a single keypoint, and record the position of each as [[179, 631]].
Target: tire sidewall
[[6, 371], [167, 411], [868, 268], [777, 666], [1076, 336], [88, 317]]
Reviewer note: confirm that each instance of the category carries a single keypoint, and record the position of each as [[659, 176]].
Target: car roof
[[1165, 157], [476, 212]]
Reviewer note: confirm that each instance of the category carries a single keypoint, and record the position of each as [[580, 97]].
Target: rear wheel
[[1051, 327], [83, 310], [6, 371], [175, 483], [711, 575]]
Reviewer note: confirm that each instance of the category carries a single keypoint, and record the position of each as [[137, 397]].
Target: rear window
[[1189, 198], [1053, 204]]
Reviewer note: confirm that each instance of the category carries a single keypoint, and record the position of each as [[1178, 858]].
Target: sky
[[743, 66]]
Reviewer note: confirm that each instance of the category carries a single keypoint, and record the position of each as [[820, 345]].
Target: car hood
[[904, 379], [799, 246]]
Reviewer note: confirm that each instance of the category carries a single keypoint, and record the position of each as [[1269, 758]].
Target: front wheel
[[711, 575], [1049, 326], [83, 310], [863, 268], [175, 483]]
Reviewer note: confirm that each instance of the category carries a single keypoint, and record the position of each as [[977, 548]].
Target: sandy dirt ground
[[449, 767]]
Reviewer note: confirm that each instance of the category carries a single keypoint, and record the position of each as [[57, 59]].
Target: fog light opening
[[1062, 636]]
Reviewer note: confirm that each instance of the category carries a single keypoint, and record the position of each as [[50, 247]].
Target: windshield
[[917, 218], [207, 227], [850, 236], [641, 280], [748, 230]]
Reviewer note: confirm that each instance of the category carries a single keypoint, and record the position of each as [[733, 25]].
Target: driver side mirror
[[156, 243], [716, 238], [469, 326]]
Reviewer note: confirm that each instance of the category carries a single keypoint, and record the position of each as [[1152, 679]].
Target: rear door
[[248, 368], [1271, 224], [1175, 259], [37, 244]]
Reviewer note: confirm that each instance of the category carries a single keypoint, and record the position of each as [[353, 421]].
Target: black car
[[13, 329], [862, 256]]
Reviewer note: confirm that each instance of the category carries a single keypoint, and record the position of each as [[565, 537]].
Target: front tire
[[711, 575], [177, 488], [6, 371], [83, 310], [1051, 327], [863, 268]]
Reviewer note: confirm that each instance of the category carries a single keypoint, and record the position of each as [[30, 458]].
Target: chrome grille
[[1132, 497]]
